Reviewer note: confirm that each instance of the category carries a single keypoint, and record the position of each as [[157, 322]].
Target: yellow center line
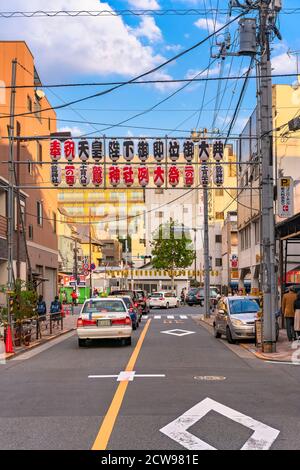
[[108, 423]]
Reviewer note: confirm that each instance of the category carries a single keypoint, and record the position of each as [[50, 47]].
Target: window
[[245, 237], [219, 215], [54, 222], [143, 241], [30, 232], [218, 262], [37, 109], [159, 214], [39, 152], [29, 167], [19, 212], [219, 192], [257, 232], [29, 103], [39, 211], [218, 238]]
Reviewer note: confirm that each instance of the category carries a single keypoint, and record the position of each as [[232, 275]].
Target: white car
[[104, 318], [164, 300]]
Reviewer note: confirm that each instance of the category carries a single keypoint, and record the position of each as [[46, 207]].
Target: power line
[[146, 82]]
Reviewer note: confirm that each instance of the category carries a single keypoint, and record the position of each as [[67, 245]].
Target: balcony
[[3, 226]]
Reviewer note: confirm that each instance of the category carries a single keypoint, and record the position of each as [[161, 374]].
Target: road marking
[[170, 317], [145, 317], [43, 347], [178, 332], [183, 317], [209, 378], [108, 423], [285, 363], [262, 438], [157, 317], [125, 376]]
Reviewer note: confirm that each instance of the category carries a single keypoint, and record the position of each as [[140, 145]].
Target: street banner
[[285, 197]]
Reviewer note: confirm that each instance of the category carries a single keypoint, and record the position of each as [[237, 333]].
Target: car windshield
[[156, 295], [127, 302], [240, 306], [104, 306]]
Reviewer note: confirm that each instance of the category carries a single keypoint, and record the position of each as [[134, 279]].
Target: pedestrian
[[183, 295], [64, 297], [288, 310], [74, 297], [41, 307], [297, 316], [55, 309]]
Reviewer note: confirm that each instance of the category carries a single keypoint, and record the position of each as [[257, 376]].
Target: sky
[[85, 49]]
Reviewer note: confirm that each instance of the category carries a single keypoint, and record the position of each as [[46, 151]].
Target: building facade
[[35, 248]]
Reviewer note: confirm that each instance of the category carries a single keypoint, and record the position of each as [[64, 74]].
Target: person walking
[[288, 310], [297, 316], [55, 309], [41, 307], [64, 297], [183, 295]]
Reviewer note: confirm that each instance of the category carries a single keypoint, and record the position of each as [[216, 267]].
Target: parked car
[[235, 318], [195, 296], [164, 300], [144, 301], [136, 298], [134, 311], [103, 318]]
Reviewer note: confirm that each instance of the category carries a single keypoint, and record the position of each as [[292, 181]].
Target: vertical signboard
[[285, 197]]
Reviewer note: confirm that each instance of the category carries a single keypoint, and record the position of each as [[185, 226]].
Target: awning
[[289, 229]]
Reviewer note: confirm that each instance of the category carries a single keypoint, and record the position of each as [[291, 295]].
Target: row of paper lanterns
[[160, 150], [127, 175], [144, 273]]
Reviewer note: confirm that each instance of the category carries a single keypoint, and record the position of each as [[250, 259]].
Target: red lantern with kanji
[[159, 176], [97, 175], [173, 175], [143, 176], [70, 175], [114, 175], [55, 150], [69, 150], [189, 175], [128, 176]]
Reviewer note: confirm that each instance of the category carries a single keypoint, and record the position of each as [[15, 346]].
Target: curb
[[35, 345]]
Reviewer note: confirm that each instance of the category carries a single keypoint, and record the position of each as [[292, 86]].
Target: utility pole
[[206, 255], [11, 179], [268, 10], [90, 253], [266, 149]]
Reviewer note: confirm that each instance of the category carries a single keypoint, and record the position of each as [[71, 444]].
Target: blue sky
[[106, 49]]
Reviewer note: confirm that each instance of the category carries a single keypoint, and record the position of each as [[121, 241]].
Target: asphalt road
[[49, 401]]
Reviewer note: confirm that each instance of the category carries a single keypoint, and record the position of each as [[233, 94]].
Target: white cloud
[[283, 63], [212, 72], [148, 29], [144, 4], [83, 46], [210, 25], [75, 131], [173, 47]]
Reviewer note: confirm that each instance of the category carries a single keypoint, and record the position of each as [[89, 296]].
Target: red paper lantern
[[143, 176], [128, 176], [69, 149], [70, 175], [114, 175], [189, 175], [55, 150], [159, 176], [97, 175], [173, 175]]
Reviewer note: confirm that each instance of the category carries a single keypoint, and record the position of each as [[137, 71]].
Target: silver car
[[235, 318]]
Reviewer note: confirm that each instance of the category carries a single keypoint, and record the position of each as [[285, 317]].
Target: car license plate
[[102, 323]]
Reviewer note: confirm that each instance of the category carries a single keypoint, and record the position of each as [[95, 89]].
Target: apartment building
[[35, 237]]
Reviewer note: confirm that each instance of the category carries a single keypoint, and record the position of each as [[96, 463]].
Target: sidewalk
[[284, 350], [69, 324]]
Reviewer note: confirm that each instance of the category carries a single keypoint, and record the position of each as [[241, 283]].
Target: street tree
[[172, 248]]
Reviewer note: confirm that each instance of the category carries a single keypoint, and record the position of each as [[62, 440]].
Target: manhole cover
[[210, 377]]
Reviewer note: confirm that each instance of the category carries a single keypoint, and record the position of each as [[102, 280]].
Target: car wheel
[[177, 305], [229, 336], [217, 334], [134, 325], [81, 342], [167, 305]]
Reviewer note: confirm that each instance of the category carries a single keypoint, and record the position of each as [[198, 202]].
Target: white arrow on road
[[262, 438]]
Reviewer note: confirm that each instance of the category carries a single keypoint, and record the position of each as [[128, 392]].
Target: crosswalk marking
[[157, 317], [183, 317], [170, 317]]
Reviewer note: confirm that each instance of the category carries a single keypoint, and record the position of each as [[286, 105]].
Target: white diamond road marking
[[178, 332], [262, 438], [125, 376]]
